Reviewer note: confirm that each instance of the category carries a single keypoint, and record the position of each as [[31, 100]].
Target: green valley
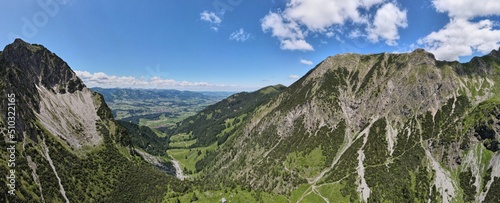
[[157, 108]]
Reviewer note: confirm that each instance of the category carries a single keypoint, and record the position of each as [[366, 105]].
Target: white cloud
[[289, 32], [467, 8], [210, 17], [355, 34], [101, 79], [317, 15], [281, 27], [240, 35], [300, 18], [306, 62], [293, 77], [386, 23], [300, 44], [461, 37], [214, 19]]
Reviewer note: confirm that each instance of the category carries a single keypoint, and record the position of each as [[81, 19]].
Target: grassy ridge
[[207, 125]]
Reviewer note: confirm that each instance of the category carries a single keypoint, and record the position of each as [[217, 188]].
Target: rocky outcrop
[[40, 66]]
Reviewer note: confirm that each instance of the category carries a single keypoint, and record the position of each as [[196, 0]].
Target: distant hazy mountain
[[157, 108], [124, 94]]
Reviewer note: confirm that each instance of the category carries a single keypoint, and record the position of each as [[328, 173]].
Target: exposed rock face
[[40, 66], [51, 92], [77, 126], [390, 127]]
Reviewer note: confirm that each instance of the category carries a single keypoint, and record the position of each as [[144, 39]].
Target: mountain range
[[356, 128]]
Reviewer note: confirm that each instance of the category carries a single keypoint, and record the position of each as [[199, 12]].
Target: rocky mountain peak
[[47, 90], [363, 63], [39, 66], [495, 53], [422, 52]]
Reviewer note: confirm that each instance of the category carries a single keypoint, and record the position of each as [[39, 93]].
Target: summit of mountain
[[41, 67]]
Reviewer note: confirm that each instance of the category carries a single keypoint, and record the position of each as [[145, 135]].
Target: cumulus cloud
[[301, 18], [288, 31], [293, 77], [214, 19], [306, 62], [386, 23], [463, 36], [101, 79], [240, 35], [467, 8], [318, 15], [294, 44]]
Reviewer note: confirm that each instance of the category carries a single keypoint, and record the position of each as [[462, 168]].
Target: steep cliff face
[[383, 127], [76, 126], [66, 147]]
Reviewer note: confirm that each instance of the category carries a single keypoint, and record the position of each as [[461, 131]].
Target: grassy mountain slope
[[209, 125], [195, 140], [383, 127]]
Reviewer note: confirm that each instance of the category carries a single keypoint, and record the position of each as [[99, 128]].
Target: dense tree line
[[145, 138]]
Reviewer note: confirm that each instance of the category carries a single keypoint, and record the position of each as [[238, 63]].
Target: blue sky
[[240, 45]]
